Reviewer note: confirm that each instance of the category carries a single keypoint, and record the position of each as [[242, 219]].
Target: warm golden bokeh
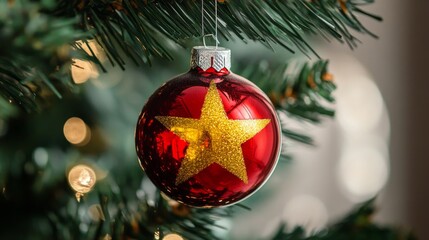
[[81, 179], [172, 236], [76, 131], [82, 71]]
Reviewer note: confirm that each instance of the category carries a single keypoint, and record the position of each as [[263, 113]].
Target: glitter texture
[[213, 138], [208, 138]]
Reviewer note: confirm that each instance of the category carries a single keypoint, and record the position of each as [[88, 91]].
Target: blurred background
[[376, 145], [378, 141]]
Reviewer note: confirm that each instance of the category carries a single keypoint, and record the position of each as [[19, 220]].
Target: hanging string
[[202, 19], [209, 35], [214, 36], [216, 20]]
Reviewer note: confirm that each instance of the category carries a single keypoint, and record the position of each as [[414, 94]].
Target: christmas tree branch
[[356, 225], [140, 28], [299, 91], [38, 33], [36, 55], [110, 212]]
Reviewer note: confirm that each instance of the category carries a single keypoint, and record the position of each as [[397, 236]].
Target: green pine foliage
[[42, 39], [38, 34]]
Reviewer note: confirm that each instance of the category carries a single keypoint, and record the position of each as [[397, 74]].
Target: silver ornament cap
[[206, 57]]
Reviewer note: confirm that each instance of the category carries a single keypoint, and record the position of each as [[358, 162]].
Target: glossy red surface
[[161, 152]]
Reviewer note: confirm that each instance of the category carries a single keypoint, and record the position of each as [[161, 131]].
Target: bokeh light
[[81, 179], [156, 234], [115, 77], [307, 211], [96, 213], [76, 131], [271, 226], [360, 105], [82, 71], [96, 50], [172, 236], [362, 171], [41, 156]]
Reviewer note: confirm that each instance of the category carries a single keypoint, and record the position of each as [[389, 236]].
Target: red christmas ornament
[[208, 137]]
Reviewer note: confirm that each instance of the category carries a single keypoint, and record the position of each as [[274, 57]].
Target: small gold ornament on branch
[[81, 179]]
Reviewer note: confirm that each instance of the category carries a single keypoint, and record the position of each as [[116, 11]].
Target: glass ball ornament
[[208, 137]]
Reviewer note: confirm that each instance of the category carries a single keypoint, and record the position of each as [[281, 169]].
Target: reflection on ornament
[[172, 236], [165, 197], [213, 138], [82, 71], [208, 137], [81, 178], [76, 131]]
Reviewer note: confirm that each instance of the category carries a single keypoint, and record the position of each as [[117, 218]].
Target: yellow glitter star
[[213, 138]]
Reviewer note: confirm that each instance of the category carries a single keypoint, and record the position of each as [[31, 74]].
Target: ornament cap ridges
[[210, 56]]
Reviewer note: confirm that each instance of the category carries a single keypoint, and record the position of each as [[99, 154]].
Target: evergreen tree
[[51, 46]]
